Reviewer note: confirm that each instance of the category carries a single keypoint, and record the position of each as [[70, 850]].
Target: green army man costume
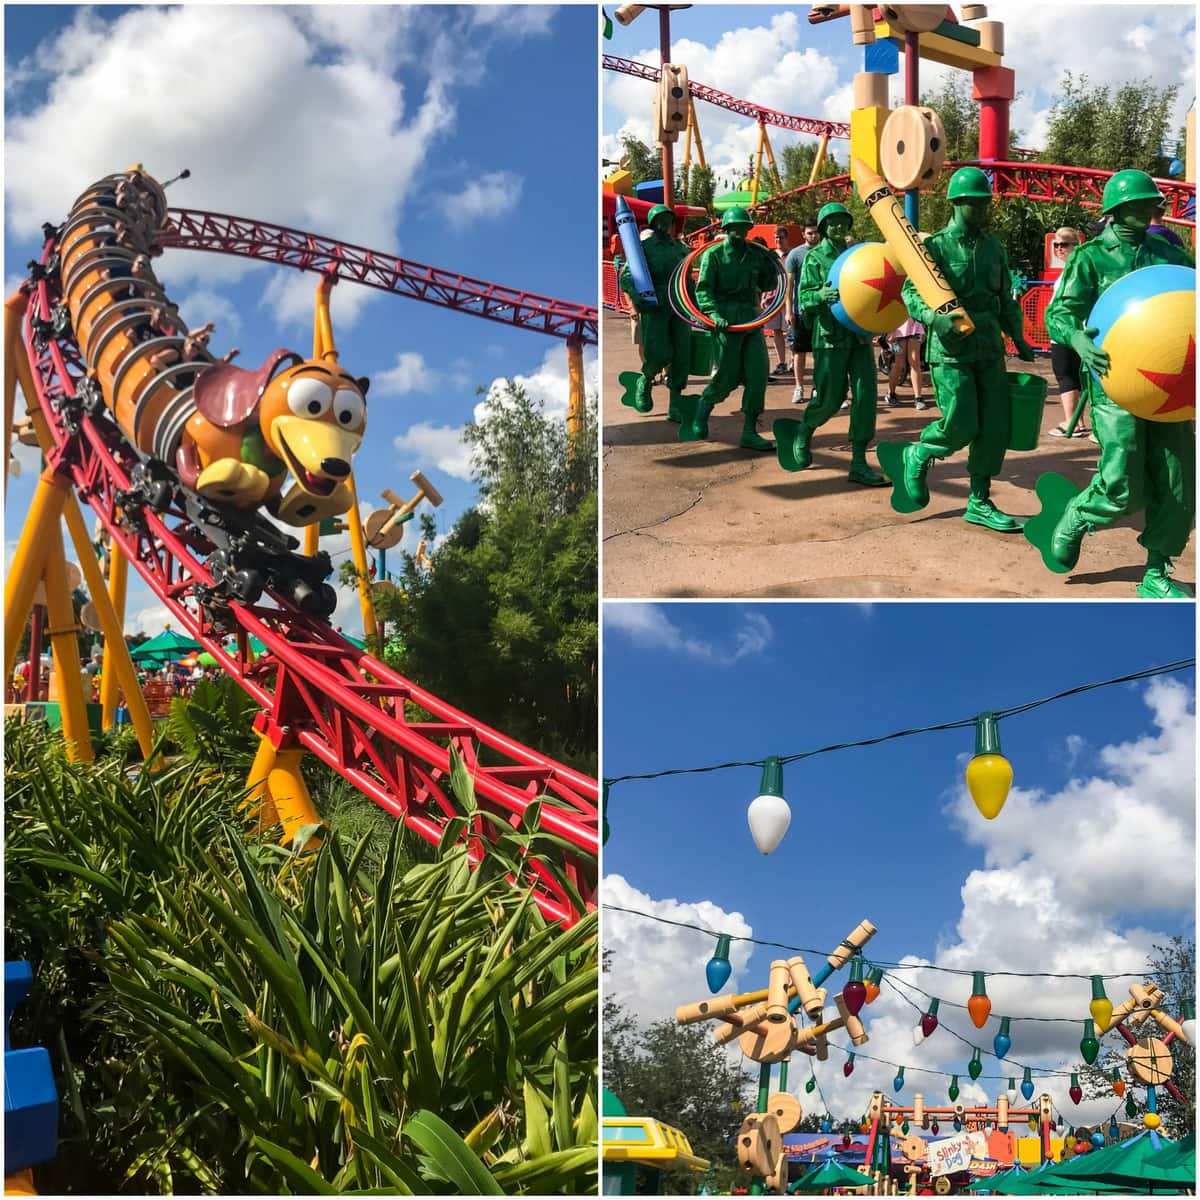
[[841, 358], [664, 335], [1143, 464], [968, 371], [733, 277]]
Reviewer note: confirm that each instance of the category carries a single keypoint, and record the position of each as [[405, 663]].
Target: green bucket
[[1027, 395], [700, 358]]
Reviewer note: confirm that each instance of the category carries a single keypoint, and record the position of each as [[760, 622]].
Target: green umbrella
[[829, 1174], [167, 647], [1176, 1154], [1125, 1165]]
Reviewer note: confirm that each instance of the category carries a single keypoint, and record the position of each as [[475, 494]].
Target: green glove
[[943, 325], [720, 324], [1024, 349], [828, 294], [1090, 355]]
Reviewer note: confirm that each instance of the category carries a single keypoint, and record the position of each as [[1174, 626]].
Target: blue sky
[[418, 131], [888, 833], [770, 55]]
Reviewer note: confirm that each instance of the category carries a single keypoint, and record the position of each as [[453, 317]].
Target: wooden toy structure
[[767, 1025], [887, 1120], [1148, 1058]]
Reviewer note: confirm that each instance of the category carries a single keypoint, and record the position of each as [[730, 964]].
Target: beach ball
[[868, 278], [1146, 321]]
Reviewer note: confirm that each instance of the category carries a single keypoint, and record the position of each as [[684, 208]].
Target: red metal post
[[993, 88], [912, 96], [36, 627], [668, 150]]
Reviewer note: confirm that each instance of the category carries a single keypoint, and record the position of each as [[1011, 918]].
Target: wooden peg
[[1002, 1112], [809, 1000], [853, 1026], [918, 1117], [1143, 997], [749, 1019], [777, 1009], [822, 1048], [862, 933], [1169, 1023], [810, 1033]]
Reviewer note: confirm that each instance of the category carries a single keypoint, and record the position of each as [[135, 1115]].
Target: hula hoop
[[687, 310]]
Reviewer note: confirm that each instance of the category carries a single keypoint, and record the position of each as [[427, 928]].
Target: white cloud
[[290, 115], [410, 374], [547, 385], [443, 445], [290, 297], [151, 619], [648, 626], [494, 194], [1060, 870], [675, 957], [202, 305]]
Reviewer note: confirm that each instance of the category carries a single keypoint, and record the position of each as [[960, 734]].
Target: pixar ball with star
[[1146, 323], [868, 278]]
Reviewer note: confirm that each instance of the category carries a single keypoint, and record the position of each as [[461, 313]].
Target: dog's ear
[[363, 384]]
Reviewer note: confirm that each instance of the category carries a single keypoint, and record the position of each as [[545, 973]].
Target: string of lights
[[889, 966], [960, 723]]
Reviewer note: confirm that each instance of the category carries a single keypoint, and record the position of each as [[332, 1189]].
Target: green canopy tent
[[1125, 1166], [830, 1174], [167, 647], [256, 648], [1181, 1153]]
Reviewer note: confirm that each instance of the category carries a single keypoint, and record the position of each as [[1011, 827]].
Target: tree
[[1091, 126], [1173, 968], [504, 622], [677, 1074], [643, 162], [700, 190]]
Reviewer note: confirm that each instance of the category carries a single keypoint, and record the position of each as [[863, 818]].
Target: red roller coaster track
[[383, 733], [190, 229], [701, 91]]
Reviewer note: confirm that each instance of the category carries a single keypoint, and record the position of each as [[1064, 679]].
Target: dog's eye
[[308, 397], [349, 408]]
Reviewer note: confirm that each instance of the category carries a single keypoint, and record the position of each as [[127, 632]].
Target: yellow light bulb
[[1101, 1010], [989, 776]]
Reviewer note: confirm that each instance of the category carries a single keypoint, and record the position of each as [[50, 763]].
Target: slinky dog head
[[312, 415]]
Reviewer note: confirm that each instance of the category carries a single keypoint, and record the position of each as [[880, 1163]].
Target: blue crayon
[[635, 256]]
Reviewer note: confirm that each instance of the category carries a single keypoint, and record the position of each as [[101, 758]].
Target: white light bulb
[[1189, 1030], [769, 818], [918, 1035]]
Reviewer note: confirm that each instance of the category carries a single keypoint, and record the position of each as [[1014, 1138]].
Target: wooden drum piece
[[1149, 1061], [786, 1109], [759, 1144], [912, 147], [767, 1043]]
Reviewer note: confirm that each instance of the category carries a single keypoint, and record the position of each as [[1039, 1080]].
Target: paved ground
[[708, 519]]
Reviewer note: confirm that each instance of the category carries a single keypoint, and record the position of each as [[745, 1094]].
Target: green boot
[[751, 439], [1067, 538], [643, 401], [695, 429], [791, 443], [861, 471], [916, 467], [631, 384], [676, 410], [981, 510], [1157, 583]]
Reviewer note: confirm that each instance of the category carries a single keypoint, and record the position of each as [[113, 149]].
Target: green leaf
[[295, 1169], [450, 1155]]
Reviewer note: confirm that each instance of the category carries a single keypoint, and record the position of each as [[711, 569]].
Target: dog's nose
[[335, 466]]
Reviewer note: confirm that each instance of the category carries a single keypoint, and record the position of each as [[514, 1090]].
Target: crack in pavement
[[687, 508]]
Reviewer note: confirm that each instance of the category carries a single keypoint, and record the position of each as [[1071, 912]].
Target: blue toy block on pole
[[882, 56], [30, 1099]]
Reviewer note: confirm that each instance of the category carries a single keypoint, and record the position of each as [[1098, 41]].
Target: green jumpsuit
[[840, 356], [1143, 464], [664, 335], [732, 281], [969, 376]]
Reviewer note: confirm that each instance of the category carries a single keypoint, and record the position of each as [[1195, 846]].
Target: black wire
[[890, 966], [962, 723]]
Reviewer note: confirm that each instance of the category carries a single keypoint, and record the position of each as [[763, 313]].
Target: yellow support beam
[[29, 560], [758, 157], [64, 644], [278, 792], [819, 159], [576, 399], [117, 661], [358, 547], [118, 579]]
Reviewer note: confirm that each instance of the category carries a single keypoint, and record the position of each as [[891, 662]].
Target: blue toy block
[[30, 1098], [651, 190], [882, 56], [30, 1109]]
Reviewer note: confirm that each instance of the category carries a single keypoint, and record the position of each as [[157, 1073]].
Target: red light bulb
[[854, 994]]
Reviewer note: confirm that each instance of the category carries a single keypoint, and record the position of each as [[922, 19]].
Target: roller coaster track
[[388, 737], [757, 112], [1042, 182], [190, 229]]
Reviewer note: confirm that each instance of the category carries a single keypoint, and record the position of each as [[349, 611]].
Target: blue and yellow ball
[[1146, 322], [868, 278]]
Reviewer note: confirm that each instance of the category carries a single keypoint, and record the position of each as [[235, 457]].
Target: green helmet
[[1129, 185], [736, 215], [969, 183], [832, 209], [657, 211]]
